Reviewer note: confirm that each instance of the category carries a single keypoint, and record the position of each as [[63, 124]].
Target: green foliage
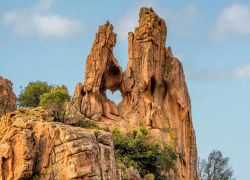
[[149, 177], [54, 101], [88, 124], [216, 167], [35, 177], [132, 149], [168, 158], [30, 96]]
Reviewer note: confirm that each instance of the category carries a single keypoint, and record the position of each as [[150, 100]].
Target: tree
[[54, 101], [215, 168], [30, 96]]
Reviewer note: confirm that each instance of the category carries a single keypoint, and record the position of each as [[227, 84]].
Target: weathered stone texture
[[32, 144], [7, 97], [153, 88], [154, 94]]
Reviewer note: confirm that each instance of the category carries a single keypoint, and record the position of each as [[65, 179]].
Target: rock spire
[[153, 88]]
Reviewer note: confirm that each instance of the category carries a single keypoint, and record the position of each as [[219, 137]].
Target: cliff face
[[32, 144], [7, 97], [153, 88]]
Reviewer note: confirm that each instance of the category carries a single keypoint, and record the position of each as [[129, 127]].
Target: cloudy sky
[[49, 40]]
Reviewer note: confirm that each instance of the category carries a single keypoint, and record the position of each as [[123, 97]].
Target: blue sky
[[49, 40]]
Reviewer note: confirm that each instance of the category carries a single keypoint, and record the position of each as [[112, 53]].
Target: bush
[[88, 124], [132, 149], [30, 96], [54, 101], [35, 177]]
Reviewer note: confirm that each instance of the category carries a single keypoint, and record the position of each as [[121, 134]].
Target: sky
[[49, 40]]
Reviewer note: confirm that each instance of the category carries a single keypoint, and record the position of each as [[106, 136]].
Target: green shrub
[[88, 124], [132, 149], [30, 96], [149, 177], [54, 101], [35, 177]]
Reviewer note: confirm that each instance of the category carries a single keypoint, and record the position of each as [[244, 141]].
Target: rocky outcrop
[[102, 73], [153, 88], [7, 97], [155, 93], [32, 145]]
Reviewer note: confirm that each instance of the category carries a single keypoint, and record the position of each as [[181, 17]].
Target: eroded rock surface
[[102, 73], [32, 144], [153, 88], [155, 93], [7, 97]]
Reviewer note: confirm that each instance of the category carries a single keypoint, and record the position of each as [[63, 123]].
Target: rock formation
[[153, 88], [32, 144], [7, 97], [154, 94], [102, 73]]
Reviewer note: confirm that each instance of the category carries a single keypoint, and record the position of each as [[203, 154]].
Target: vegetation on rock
[[132, 149], [54, 101], [30, 96], [35, 177], [87, 123]]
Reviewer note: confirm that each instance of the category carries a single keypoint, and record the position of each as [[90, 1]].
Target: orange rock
[[30, 143], [102, 73], [153, 87], [7, 97], [159, 97]]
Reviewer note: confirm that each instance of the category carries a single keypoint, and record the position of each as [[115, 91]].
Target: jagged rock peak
[[151, 27], [102, 68], [102, 73], [153, 88]]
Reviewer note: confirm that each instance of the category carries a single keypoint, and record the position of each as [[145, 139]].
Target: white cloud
[[241, 72], [38, 20], [233, 20], [235, 73], [179, 19], [55, 26]]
